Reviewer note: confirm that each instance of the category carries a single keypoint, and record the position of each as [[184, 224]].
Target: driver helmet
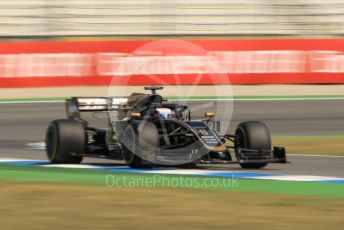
[[164, 113]]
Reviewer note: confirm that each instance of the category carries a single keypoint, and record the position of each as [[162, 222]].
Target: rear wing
[[76, 105]]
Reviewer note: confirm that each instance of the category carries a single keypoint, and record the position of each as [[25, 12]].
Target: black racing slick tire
[[140, 143], [253, 135], [65, 141]]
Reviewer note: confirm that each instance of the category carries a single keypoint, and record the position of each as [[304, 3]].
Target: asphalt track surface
[[23, 123]]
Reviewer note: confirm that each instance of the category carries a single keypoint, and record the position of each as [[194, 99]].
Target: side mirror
[[209, 115], [135, 115]]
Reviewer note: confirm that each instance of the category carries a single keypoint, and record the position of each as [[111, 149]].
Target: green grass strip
[[118, 179], [260, 97]]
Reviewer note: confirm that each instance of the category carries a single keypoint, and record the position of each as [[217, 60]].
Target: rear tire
[[253, 135], [65, 141], [140, 139]]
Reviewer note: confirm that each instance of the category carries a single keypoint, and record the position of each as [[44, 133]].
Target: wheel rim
[[51, 142], [242, 140], [129, 135], [241, 143]]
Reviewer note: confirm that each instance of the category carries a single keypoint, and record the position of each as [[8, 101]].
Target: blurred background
[[269, 48], [49, 19]]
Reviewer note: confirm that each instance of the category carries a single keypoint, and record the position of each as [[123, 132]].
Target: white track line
[[73, 166], [185, 171], [16, 159], [29, 102], [36, 145]]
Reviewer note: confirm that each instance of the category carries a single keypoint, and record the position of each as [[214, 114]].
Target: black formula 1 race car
[[146, 130]]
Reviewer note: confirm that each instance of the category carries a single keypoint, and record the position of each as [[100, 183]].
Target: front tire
[[140, 142], [253, 135], [65, 141]]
